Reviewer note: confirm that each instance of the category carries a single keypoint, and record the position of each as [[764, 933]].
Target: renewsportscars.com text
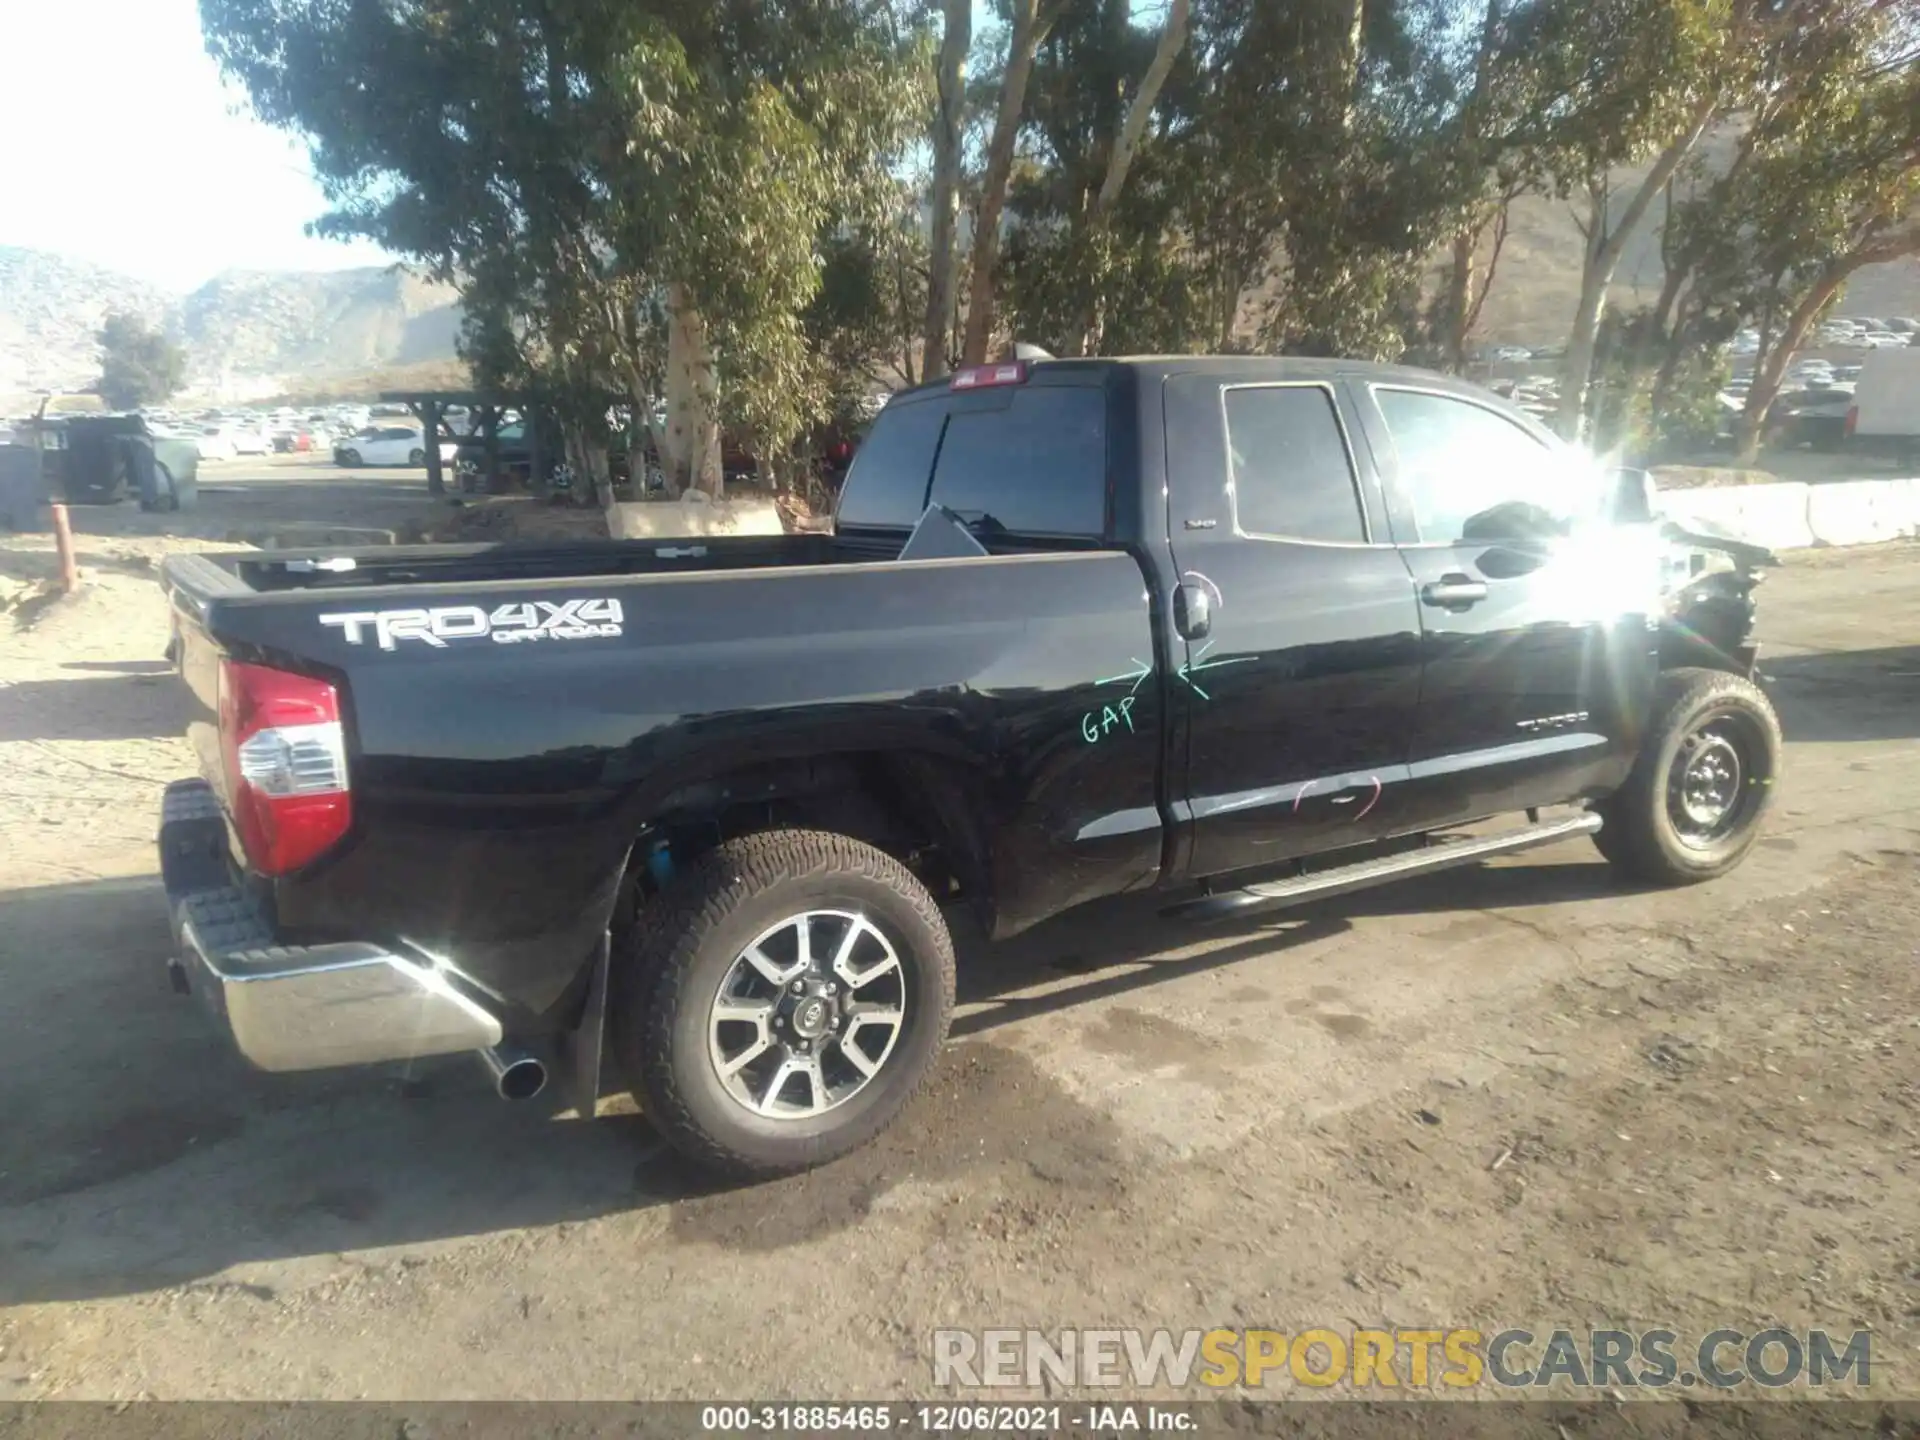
[[1438, 1359]]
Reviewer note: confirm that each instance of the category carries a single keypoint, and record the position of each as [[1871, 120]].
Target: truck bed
[[231, 574], [515, 714]]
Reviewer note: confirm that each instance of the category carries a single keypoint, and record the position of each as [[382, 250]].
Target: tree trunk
[[951, 82], [1595, 271], [1604, 248], [693, 409], [1132, 129], [1027, 35], [1459, 298], [1678, 345], [1172, 39], [1769, 372]]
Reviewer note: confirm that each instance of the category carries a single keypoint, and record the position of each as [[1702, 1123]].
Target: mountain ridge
[[244, 331]]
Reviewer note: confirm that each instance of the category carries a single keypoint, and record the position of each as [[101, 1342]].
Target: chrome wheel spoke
[[745, 1012], [768, 971], [843, 957], [783, 1073], [857, 1057], [761, 1044]]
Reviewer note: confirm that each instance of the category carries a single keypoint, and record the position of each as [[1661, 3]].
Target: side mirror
[[1630, 497]]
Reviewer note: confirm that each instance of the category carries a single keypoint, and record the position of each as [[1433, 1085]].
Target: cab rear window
[[1019, 460]]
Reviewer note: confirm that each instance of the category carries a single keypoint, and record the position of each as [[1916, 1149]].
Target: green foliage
[[1642, 416], [566, 163], [572, 163], [138, 364]]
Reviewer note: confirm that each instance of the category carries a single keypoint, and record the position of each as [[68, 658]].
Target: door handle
[[1192, 611], [1453, 592]]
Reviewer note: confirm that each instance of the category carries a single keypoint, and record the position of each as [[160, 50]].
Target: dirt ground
[[1512, 1096]]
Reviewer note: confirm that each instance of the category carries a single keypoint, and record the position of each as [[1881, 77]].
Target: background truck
[[1247, 631], [1885, 417]]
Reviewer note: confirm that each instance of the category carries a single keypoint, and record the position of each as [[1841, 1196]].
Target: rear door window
[[1292, 475]]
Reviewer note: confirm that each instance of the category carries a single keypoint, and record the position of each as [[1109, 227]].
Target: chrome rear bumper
[[308, 1007]]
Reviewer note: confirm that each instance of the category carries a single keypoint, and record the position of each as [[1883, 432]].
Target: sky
[[123, 147]]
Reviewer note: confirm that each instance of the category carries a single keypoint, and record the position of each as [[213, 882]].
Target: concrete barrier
[[691, 515], [1864, 512], [1770, 515], [1790, 515]]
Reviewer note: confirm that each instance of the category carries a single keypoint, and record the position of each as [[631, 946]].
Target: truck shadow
[[1846, 695], [139, 1152], [128, 705]]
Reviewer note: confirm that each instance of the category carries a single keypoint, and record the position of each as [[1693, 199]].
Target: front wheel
[[350, 459], [416, 458], [1692, 806], [781, 1000]]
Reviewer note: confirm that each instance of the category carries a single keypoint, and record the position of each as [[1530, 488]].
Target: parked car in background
[[249, 440], [1816, 417], [387, 445], [103, 459], [215, 443]]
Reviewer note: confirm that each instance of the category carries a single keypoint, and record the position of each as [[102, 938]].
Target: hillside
[[1538, 284], [244, 332], [50, 309]]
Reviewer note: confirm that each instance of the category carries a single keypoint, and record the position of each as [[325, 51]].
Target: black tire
[[416, 457], [1650, 834], [669, 968], [350, 459]]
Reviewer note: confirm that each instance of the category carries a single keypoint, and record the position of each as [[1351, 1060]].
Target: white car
[[1884, 339], [247, 440], [387, 445], [215, 444]]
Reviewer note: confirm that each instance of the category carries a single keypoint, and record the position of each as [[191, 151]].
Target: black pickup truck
[[1247, 631]]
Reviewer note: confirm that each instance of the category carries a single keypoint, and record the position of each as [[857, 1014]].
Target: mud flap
[[581, 1049]]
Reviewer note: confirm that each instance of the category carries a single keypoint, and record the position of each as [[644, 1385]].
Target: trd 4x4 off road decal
[[505, 624]]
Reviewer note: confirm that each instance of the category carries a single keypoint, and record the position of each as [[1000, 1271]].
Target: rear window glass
[[1030, 460], [887, 486], [1036, 467]]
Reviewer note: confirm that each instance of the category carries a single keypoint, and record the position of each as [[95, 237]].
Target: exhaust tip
[[516, 1074]]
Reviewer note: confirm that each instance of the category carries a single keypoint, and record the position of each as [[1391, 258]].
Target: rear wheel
[[781, 1000], [416, 457], [1692, 806]]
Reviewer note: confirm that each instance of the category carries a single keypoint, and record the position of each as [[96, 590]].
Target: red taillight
[[1009, 372], [286, 760], [1853, 418]]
